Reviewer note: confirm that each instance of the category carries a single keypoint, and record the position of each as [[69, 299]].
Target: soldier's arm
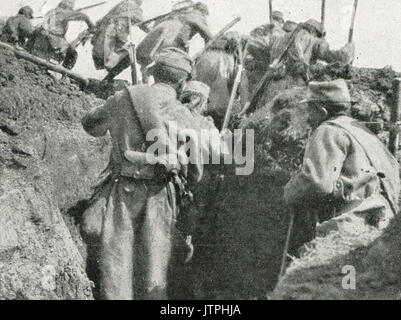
[[296, 51], [344, 55], [323, 161], [97, 121], [79, 16], [26, 27], [200, 25]]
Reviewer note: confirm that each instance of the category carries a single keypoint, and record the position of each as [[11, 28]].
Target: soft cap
[[174, 58], [331, 94]]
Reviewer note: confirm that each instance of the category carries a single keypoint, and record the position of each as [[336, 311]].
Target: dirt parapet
[[47, 164]]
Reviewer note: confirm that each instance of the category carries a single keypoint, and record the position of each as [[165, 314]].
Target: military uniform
[[176, 31], [112, 32], [18, 28], [136, 213], [304, 51], [259, 48], [217, 68], [54, 30], [348, 175]]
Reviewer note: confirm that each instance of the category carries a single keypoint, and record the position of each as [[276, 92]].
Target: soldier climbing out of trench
[[175, 31], [111, 39], [18, 28], [349, 180], [49, 41], [259, 47], [292, 59]]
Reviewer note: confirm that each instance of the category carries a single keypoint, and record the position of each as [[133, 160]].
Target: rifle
[[271, 11], [323, 14], [237, 82], [351, 29], [82, 9], [132, 54], [395, 117], [266, 79], [287, 242], [216, 37], [142, 23]]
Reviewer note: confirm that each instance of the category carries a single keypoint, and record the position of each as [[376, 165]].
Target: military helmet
[[26, 11], [202, 8], [278, 16], [313, 25], [68, 4], [290, 26]]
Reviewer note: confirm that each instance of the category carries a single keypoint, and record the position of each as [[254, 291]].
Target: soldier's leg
[[120, 67], [70, 59], [154, 245]]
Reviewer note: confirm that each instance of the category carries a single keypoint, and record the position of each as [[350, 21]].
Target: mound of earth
[[47, 165]]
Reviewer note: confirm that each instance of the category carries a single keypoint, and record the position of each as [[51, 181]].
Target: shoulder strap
[[146, 108]]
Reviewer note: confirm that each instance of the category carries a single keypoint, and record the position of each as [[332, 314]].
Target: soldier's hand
[[350, 49]]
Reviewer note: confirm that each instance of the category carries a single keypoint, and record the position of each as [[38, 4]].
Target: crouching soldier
[[137, 230], [348, 176], [18, 28]]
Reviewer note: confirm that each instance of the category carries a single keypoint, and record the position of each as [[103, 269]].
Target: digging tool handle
[[351, 30], [395, 116]]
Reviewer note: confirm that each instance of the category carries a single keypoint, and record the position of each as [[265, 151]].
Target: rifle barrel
[[164, 15], [351, 30], [92, 6], [323, 15], [217, 36], [271, 11], [80, 9]]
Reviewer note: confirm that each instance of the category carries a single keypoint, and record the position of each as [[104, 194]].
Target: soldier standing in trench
[[348, 176], [138, 221]]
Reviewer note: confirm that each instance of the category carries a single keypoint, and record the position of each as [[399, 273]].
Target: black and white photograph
[[200, 154]]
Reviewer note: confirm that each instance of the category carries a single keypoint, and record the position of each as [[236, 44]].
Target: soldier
[[259, 47], [138, 231], [305, 48], [217, 68], [54, 30], [18, 28], [290, 26], [176, 31], [347, 175], [110, 40]]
